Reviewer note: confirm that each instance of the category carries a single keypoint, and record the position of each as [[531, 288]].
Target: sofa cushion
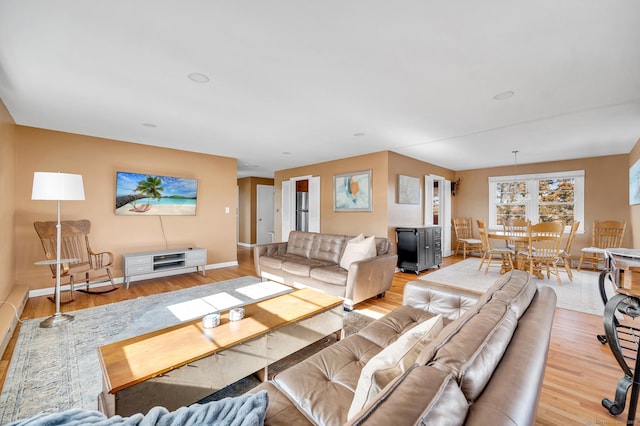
[[323, 385], [276, 261], [383, 246], [333, 274], [302, 269], [517, 292], [451, 302], [327, 247], [392, 361], [300, 243], [387, 329], [421, 396], [358, 248], [472, 351], [281, 411]]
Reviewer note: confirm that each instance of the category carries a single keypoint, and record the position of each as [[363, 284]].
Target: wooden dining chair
[[565, 254], [89, 268], [490, 254], [463, 228], [606, 234], [515, 226], [545, 240]]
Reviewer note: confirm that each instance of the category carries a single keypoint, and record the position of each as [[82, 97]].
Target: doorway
[[437, 207], [265, 219], [290, 210]]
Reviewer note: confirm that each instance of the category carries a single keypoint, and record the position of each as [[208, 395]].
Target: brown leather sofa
[[485, 367], [312, 259]]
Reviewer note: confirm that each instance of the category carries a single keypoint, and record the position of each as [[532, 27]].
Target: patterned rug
[[581, 294], [57, 368]]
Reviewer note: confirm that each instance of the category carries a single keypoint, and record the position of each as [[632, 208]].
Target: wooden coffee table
[[182, 364]]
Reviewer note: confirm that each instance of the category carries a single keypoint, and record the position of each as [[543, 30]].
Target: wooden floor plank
[[580, 371]]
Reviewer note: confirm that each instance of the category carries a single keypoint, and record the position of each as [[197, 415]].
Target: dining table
[[520, 240]]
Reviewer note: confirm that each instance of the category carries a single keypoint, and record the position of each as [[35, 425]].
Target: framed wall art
[[634, 183], [352, 192], [408, 190]]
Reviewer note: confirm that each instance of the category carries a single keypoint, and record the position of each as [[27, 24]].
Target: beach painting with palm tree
[[143, 194]]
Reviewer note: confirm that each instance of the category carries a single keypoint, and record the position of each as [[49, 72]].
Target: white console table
[[152, 262]]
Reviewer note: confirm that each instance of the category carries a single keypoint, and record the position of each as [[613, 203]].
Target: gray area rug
[[581, 294], [57, 368]]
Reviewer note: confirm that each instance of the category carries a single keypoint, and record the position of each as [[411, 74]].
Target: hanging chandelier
[[518, 196]]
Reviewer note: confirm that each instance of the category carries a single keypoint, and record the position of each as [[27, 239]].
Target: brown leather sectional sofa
[[485, 367], [313, 260]]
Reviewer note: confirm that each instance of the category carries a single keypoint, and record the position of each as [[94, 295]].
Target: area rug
[[57, 368], [581, 294]]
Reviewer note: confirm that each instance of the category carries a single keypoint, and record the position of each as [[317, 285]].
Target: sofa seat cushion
[[323, 385], [274, 261], [392, 361], [421, 396], [302, 268], [281, 411], [387, 329], [332, 274]]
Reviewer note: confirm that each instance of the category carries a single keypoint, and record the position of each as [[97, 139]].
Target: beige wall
[[634, 211], [387, 214], [7, 206], [350, 223], [606, 191], [247, 207], [408, 214], [98, 160]]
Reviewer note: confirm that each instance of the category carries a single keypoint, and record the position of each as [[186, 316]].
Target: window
[[545, 197]]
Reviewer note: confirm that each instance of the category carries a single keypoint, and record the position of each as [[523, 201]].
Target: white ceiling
[[296, 82]]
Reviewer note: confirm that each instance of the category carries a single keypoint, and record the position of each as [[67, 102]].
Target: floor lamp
[[57, 186]]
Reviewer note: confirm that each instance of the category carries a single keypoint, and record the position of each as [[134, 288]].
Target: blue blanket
[[246, 410]]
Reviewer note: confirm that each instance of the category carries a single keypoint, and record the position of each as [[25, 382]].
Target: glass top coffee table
[[182, 364]]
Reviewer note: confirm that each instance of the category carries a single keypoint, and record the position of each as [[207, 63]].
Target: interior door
[[288, 209], [265, 221], [437, 211], [289, 205], [314, 204]]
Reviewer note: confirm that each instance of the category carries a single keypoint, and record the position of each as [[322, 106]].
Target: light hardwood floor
[[580, 371]]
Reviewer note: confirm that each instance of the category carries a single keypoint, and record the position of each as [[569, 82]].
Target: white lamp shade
[[57, 186]]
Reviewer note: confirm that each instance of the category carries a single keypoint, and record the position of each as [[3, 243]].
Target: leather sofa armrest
[[437, 298], [370, 277], [269, 249]]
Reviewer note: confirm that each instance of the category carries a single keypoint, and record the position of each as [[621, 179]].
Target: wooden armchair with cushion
[[606, 234], [463, 228], [90, 268]]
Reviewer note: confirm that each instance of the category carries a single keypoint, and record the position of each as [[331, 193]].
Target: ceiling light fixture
[[149, 125], [359, 134], [198, 77], [504, 95], [517, 194]]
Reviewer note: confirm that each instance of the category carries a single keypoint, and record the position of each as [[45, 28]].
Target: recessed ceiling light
[[198, 77], [504, 95], [149, 125]]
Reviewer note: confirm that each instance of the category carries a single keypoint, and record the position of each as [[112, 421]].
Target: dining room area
[[543, 249]]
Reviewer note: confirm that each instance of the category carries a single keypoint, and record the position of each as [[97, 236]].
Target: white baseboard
[[119, 280], [248, 245], [10, 310]]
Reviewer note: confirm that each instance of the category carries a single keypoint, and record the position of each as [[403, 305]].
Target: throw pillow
[[358, 248], [392, 361]]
